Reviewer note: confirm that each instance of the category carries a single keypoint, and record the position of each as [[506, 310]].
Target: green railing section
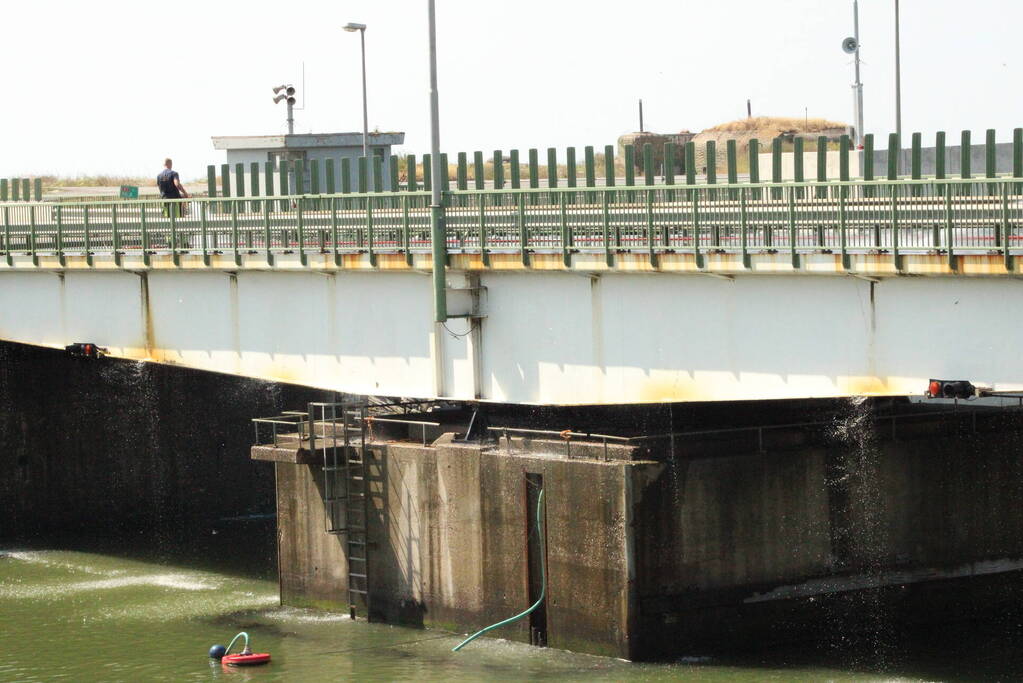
[[635, 166], [948, 216], [21, 189]]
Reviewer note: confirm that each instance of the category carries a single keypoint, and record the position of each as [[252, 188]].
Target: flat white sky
[[113, 87]]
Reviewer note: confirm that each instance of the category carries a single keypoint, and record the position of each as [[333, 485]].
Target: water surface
[[81, 616]]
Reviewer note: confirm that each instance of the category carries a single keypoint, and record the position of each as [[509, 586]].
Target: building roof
[[304, 141]]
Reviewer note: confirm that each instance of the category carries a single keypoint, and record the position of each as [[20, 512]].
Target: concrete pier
[[690, 542]]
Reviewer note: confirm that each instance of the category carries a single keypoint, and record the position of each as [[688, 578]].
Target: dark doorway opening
[[536, 553]]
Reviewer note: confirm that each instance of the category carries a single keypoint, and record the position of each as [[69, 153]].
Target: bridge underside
[[543, 337]]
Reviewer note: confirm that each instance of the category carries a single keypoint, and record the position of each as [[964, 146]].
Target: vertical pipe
[[438, 237]]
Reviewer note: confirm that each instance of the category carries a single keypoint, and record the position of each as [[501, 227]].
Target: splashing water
[[859, 532]]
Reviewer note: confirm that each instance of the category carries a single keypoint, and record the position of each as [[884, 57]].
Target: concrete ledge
[[295, 456]]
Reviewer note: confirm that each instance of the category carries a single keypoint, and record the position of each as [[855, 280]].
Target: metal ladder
[[345, 487]]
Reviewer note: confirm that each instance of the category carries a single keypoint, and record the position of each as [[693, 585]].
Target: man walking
[[171, 188]]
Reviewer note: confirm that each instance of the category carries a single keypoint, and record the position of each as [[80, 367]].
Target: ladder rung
[[357, 528], [356, 543], [356, 590], [353, 558], [357, 576]]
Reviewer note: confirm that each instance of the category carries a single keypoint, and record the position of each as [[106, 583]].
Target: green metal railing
[[949, 216]]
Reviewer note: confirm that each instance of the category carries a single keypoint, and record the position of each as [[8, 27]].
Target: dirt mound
[[764, 129]]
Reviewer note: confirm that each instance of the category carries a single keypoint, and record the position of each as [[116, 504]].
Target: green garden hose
[[543, 583]]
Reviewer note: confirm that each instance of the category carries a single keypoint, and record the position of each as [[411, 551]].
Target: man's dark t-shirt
[[168, 188]]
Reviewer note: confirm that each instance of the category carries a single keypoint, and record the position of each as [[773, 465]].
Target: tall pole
[[641, 116], [291, 119], [437, 230], [365, 116], [858, 85], [898, 87]]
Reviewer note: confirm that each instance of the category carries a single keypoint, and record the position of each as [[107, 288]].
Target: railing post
[[60, 235], [776, 167], [484, 251], [949, 231], [334, 238], [234, 233], [990, 163], [267, 235], [605, 225], [753, 159], [669, 163], [895, 228], [523, 230], [1017, 155], [743, 236], [498, 170], [7, 237], [868, 164], [841, 226], [552, 167], [822, 166], [88, 237], [203, 228], [939, 160], [648, 164], [1006, 229], [145, 234], [411, 173], [792, 227], [566, 256], [514, 169], [609, 166], [697, 254], [690, 157], [965, 155], [172, 213], [650, 227], [369, 233], [406, 239], [711, 157], [797, 163]]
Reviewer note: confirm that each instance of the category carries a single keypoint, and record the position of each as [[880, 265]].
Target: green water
[[80, 616]]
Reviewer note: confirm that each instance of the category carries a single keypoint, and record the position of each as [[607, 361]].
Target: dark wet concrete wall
[[108, 446], [872, 530]]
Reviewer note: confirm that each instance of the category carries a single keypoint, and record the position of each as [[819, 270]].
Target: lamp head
[[351, 27]]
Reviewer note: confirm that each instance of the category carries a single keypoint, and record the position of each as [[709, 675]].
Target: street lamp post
[[361, 28], [898, 88]]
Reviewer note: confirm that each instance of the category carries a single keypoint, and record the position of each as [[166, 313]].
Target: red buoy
[[246, 660]]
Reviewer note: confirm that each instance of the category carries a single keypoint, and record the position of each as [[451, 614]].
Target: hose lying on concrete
[[543, 582]]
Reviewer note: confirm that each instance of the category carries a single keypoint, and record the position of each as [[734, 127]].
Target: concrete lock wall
[[448, 530], [712, 550], [749, 547]]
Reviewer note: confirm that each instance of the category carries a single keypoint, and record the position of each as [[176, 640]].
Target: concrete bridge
[[557, 295]]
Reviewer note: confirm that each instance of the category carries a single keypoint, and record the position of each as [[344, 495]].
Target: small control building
[[309, 147]]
